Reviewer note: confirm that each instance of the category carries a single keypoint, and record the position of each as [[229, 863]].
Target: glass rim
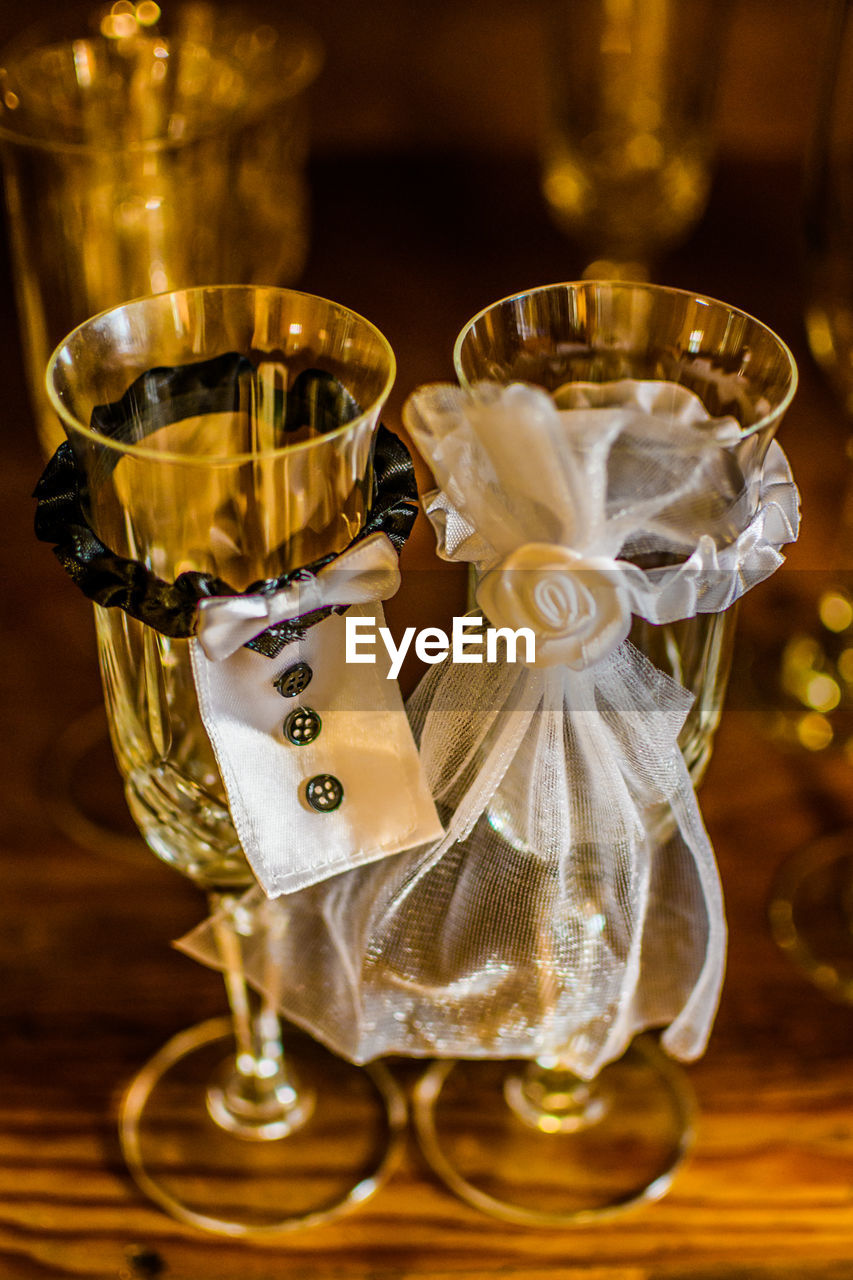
[[132, 449], [659, 290], [287, 87]]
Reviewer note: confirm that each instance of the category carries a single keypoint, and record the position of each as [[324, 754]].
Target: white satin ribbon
[[364, 573]]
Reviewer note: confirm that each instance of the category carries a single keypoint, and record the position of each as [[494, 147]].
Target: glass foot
[[620, 268], [339, 1143], [86, 796], [811, 913], [544, 1149]]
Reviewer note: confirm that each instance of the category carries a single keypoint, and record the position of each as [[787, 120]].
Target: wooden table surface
[[89, 985]]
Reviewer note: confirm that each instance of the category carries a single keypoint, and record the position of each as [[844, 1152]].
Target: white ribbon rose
[[578, 606]]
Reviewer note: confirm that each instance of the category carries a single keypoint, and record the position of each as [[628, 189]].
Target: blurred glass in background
[[829, 211], [145, 150], [630, 139], [811, 899], [812, 704]]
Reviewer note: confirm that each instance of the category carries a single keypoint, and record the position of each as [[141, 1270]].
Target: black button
[[292, 681], [302, 725], [324, 793]]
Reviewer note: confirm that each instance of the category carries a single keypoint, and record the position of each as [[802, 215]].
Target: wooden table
[[90, 986]]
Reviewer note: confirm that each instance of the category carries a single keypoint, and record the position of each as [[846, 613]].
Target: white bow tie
[[364, 573]]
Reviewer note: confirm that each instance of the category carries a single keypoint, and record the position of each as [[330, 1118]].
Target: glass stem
[[551, 1098], [256, 1095]]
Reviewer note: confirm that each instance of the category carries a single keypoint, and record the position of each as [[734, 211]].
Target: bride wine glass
[[201, 450], [531, 1141]]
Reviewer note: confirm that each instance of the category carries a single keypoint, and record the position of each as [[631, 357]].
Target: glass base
[[336, 1153], [617, 268], [86, 797], [565, 1158], [811, 913]]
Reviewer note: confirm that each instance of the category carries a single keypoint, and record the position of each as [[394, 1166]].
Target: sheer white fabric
[[573, 899]]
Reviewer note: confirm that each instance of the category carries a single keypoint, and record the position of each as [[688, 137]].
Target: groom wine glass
[[201, 450], [533, 1141]]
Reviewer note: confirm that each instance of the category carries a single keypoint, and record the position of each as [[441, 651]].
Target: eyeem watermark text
[[469, 641]]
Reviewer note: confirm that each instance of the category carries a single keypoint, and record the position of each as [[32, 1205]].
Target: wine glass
[[144, 151], [178, 478], [811, 900], [530, 1141], [629, 142]]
